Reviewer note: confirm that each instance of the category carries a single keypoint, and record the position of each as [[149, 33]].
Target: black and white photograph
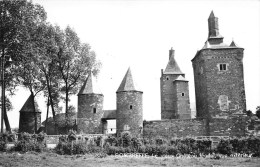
[[118, 83]]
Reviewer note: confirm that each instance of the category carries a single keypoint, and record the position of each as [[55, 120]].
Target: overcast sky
[[139, 34]]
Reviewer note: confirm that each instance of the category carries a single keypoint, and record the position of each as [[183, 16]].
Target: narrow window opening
[[182, 94], [94, 110], [222, 67], [167, 78], [131, 107]]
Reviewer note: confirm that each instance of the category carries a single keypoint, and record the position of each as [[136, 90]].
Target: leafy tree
[[249, 113], [74, 60], [17, 19], [258, 111]]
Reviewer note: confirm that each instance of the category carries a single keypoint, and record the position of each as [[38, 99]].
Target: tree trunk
[[35, 114], [66, 107], [7, 124], [52, 106], [47, 115]]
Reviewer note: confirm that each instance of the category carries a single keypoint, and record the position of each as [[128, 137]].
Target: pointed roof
[[233, 44], [90, 86], [29, 106], [180, 78], [127, 83], [211, 14], [207, 45], [172, 66]]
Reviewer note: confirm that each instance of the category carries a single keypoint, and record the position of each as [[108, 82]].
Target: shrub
[[112, 150], [72, 135], [111, 140], [224, 147], [2, 145], [172, 150], [125, 139]]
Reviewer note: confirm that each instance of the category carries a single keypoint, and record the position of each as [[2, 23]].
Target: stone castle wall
[[129, 115], [27, 121], [90, 112], [168, 104], [235, 126], [219, 93], [181, 99]]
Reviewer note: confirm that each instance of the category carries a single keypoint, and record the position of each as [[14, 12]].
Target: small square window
[[222, 67], [94, 110]]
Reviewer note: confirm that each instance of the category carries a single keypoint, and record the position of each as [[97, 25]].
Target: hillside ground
[[52, 159]]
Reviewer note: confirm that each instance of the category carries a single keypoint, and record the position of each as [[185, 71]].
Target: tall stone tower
[[90, 107], [218, 75], [175, 102], [30, 118], [129, 103]]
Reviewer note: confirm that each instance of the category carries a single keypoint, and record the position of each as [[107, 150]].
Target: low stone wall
[[232, 126], [174, 128]]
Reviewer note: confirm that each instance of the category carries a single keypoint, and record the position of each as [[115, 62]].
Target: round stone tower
[[90, 107], [129, 107], [30, 118]]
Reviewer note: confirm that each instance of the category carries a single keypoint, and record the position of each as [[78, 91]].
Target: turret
[[30, 116], [129, 107], [90, 107], [214, 37], [174, 91]]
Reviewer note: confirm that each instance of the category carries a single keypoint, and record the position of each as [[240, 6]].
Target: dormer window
[[223, 67], [94, 110]]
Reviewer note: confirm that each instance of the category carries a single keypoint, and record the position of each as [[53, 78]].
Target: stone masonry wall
[[27, 122], [219, 94], [235, 126], [88, 121], [182, 100], [167, 96], [129, 112], [174, 128], [200, 86]]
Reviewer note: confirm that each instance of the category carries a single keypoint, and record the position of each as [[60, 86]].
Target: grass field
[[55, 160]]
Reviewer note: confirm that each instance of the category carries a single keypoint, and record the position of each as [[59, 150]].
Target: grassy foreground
[[52, 159]]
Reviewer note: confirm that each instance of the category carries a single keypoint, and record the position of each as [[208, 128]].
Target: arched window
[[182, 94], [130, 107]]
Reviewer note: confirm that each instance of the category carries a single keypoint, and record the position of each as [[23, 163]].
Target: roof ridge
[[90, 86], [127, 83]]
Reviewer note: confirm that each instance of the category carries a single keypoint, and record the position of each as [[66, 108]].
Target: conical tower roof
[[233, 44], [180, 78], [127, 83], [90, 86], [211, 14], [28, 105], [172, 66]]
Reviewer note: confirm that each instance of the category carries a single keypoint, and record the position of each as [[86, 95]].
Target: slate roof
[[28, 105], [233, 44], [90, 86], [172, 67], [180, 78], [211, 14], [109, 114], [128, 83]]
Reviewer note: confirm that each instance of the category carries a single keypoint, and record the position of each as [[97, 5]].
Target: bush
[[125, 139], [224, 147], [2, 145], [29, 142]]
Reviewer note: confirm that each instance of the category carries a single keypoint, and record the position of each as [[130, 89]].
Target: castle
[[219, 89]]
